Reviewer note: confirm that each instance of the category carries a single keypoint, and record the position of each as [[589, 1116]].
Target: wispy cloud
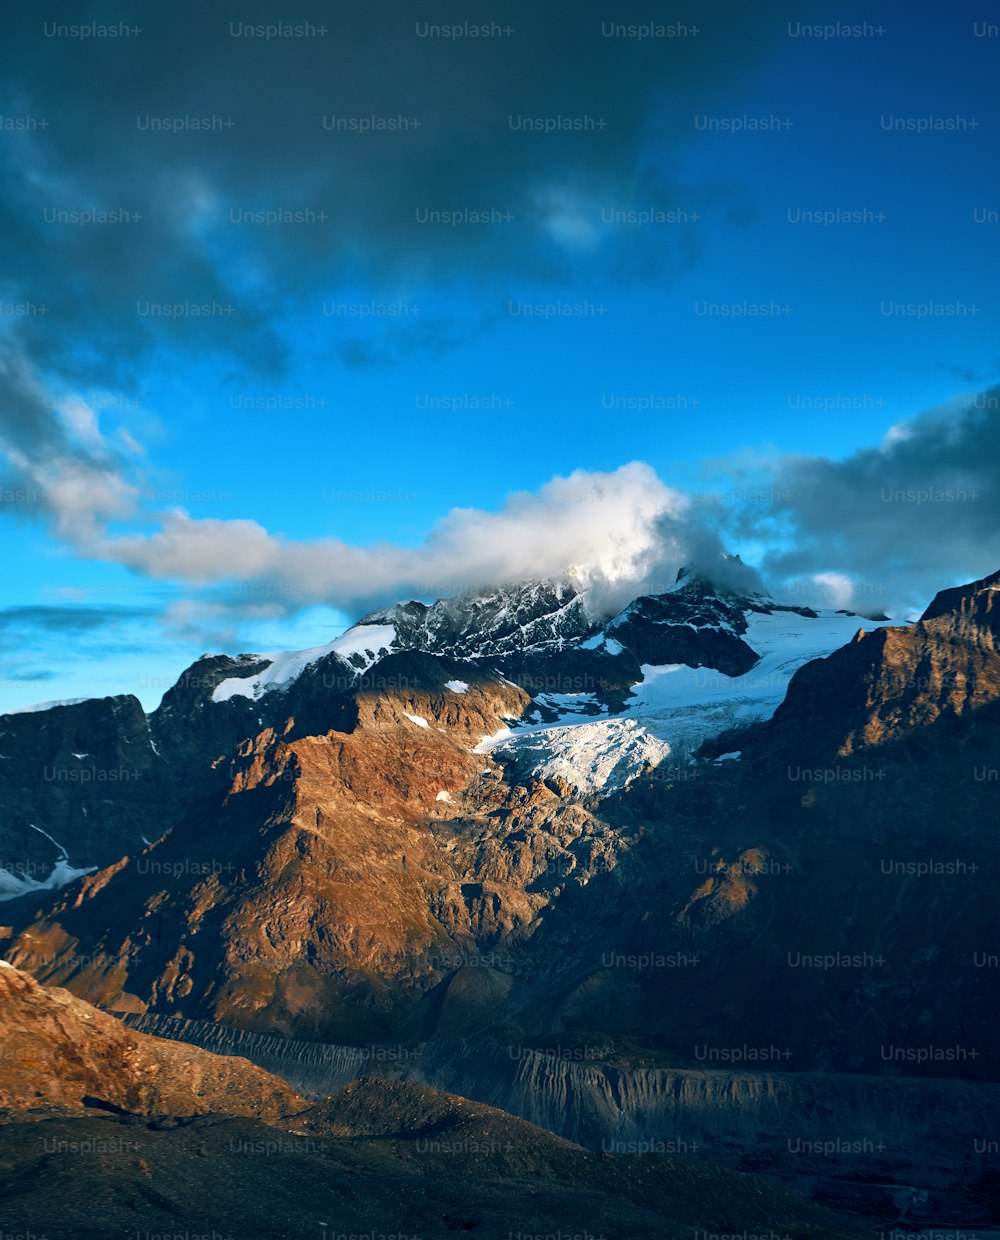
[[58, 465]]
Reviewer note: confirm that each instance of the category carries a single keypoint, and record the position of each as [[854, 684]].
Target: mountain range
[[712, 871]]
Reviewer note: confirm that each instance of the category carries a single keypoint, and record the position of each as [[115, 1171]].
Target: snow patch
[[29, 710], [419, 720], [443, 796], [570, 704], [602, 640], [14, 885], [489, 743], [674, 708], [63, 854], [456, 686], [370, 641]]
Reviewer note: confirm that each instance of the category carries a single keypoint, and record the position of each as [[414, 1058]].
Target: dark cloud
[[102, 299], [57, 465], [275, 100], [904, 519], [67, 620]]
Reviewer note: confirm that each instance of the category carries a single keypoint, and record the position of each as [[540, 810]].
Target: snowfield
[[674, 709], [590, 757], [13, 885], [687, 705]]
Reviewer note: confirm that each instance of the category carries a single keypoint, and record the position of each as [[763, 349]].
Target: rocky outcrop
[[60, 1053], [320, 898], [317, 1068], [691, 626], [924, 685]]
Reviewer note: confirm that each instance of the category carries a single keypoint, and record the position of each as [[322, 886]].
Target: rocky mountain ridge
[[422, 853], [85, 783], [406, 850]]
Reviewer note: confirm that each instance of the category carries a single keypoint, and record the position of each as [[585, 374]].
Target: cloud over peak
[[620, 530]]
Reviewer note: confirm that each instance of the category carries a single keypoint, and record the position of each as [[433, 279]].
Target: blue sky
[[287, 418]]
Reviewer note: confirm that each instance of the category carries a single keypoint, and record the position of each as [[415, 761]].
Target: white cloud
[[880, 530], [198, 551], [79, 495], [896, 434], [616, 528], [81, 421], [833, 589], [568, 218], [57, 456]]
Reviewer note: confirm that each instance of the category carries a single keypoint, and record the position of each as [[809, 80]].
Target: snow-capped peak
[[502, 620]]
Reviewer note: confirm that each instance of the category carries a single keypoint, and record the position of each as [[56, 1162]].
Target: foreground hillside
[[199, 1144]]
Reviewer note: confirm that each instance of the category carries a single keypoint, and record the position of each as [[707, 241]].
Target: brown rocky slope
[[59, 1052]]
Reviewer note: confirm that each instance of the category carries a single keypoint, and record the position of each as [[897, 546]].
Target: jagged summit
[[728, 576], [976, 596], [556, 614], [495, 621], [566, 691], [701, 619]]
